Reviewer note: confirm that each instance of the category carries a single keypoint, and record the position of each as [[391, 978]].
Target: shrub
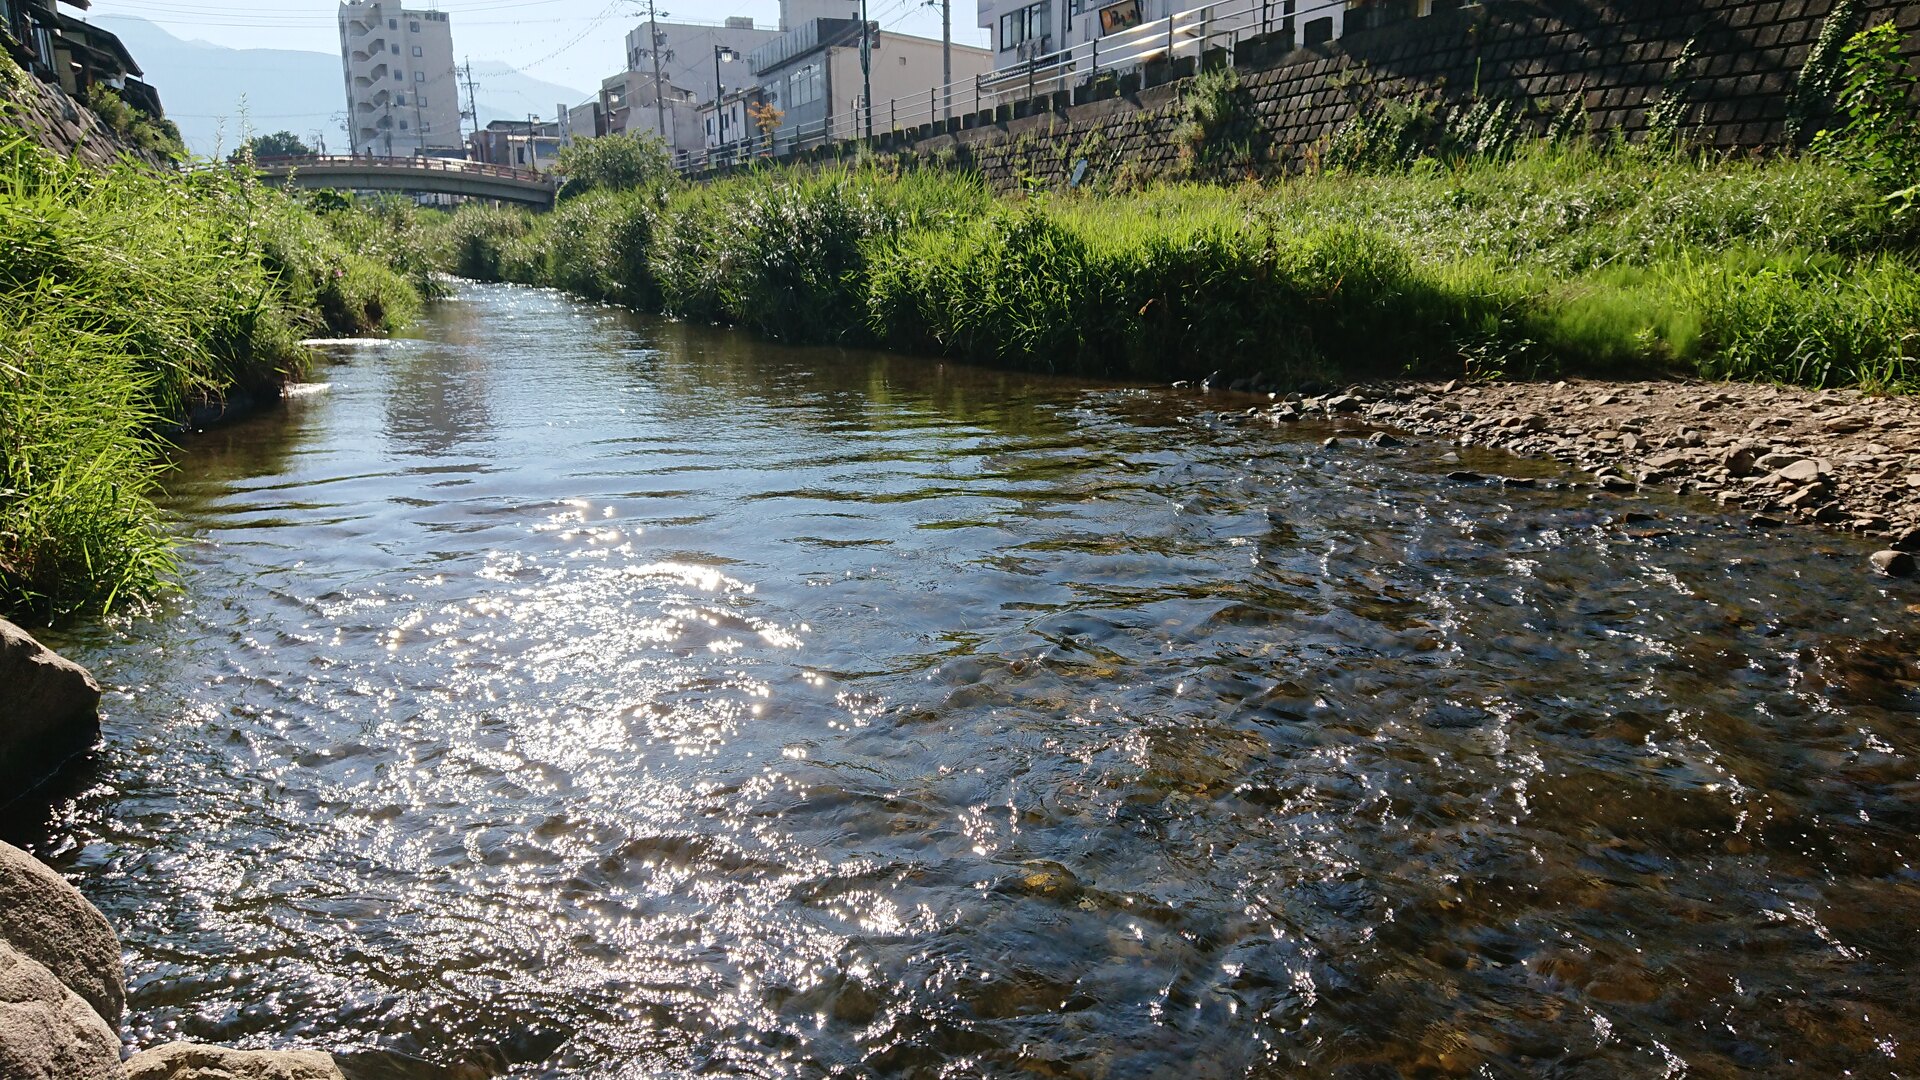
[[1881, 137], [614, 163], [476, 236]]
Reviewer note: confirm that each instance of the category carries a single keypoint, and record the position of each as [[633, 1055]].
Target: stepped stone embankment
[[63, 124]]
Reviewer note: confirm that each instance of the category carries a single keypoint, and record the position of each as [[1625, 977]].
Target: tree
[[613, 163], [767, 118], [278, 144]]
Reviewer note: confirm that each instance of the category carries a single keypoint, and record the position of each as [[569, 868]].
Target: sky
[[574, 43]]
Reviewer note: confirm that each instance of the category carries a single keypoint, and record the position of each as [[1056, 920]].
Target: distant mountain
[[206, 88]]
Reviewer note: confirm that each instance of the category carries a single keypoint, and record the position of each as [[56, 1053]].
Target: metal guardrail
[[1190, 33]]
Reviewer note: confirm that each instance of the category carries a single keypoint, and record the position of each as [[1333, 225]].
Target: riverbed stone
[[1893, 563], [46, 1031], [1805, 470], [49, 713], [49, 922], [197, 1061]]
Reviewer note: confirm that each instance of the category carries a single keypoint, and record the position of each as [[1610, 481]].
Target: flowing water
[[619, 698]]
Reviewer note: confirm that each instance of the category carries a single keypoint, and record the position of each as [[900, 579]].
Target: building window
[[399, 76], [403, 125], [420, 100], [416, 50], [399, 99], [413, 27], [396, 50], [806, 85], [419, 76], [1031, 23], [393, 24]]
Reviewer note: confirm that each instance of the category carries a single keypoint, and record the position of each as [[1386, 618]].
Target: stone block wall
[[56, 120], [1615, 58]]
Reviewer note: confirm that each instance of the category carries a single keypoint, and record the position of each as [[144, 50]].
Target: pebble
[[1780, 454]]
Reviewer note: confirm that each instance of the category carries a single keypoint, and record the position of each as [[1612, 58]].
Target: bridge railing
[[314, 162]]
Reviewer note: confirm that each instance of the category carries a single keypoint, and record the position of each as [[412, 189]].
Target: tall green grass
[[126, 296], [1549, 257]]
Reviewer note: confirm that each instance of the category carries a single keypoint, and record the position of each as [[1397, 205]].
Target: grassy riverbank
[[1420, 248], [126, 296], [1560, 258]]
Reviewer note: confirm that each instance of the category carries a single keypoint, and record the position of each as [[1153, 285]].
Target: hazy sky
[[572, 42]]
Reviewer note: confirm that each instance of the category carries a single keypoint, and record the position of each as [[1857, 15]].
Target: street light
[[721, 54]]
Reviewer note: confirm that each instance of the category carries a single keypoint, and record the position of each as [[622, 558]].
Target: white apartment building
[[403, 96]]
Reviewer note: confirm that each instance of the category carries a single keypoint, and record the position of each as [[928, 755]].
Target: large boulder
[[48, 713], [195, 1061], [51, 923], [46, 1031]]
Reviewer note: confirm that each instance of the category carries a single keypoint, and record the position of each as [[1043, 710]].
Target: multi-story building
[[687, 53], [403, 96], [75, 55], [519, 144], [627, 105], [811, 74], [1025, 29], [729, 122]]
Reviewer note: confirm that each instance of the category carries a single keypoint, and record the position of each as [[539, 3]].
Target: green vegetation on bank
[[126, 296], [1423, 245], [1562, 257]]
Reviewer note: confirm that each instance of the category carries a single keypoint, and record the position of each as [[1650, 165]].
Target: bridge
[[443, 176]]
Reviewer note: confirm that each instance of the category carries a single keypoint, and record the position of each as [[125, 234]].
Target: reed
[[1546, 258], [125, 296]]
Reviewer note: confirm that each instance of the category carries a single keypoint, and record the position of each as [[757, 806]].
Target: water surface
[[643, 700]]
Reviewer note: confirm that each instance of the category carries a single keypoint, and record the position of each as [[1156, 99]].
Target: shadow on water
[[587, 695]]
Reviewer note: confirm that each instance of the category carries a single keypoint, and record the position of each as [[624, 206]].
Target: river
[[639, 699]]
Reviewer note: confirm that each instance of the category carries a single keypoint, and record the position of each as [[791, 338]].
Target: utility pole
[[866, 66], [946, 53], [473, 105], [653, 47]]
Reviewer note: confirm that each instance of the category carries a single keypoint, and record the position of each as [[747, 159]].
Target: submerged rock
[[48, 714], [194, 1061], [46, 1031], [49, 922]]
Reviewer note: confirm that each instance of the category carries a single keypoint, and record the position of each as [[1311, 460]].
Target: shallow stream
[[630, 699]]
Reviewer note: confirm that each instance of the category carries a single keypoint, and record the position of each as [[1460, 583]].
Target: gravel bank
[[1836, 458]]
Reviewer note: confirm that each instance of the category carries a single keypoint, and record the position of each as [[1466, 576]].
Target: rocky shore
[[1834, 458]]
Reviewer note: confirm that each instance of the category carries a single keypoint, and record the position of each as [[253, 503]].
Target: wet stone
[[1893, 563]]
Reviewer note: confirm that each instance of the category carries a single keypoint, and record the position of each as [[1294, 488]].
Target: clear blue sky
[[572, 42]]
